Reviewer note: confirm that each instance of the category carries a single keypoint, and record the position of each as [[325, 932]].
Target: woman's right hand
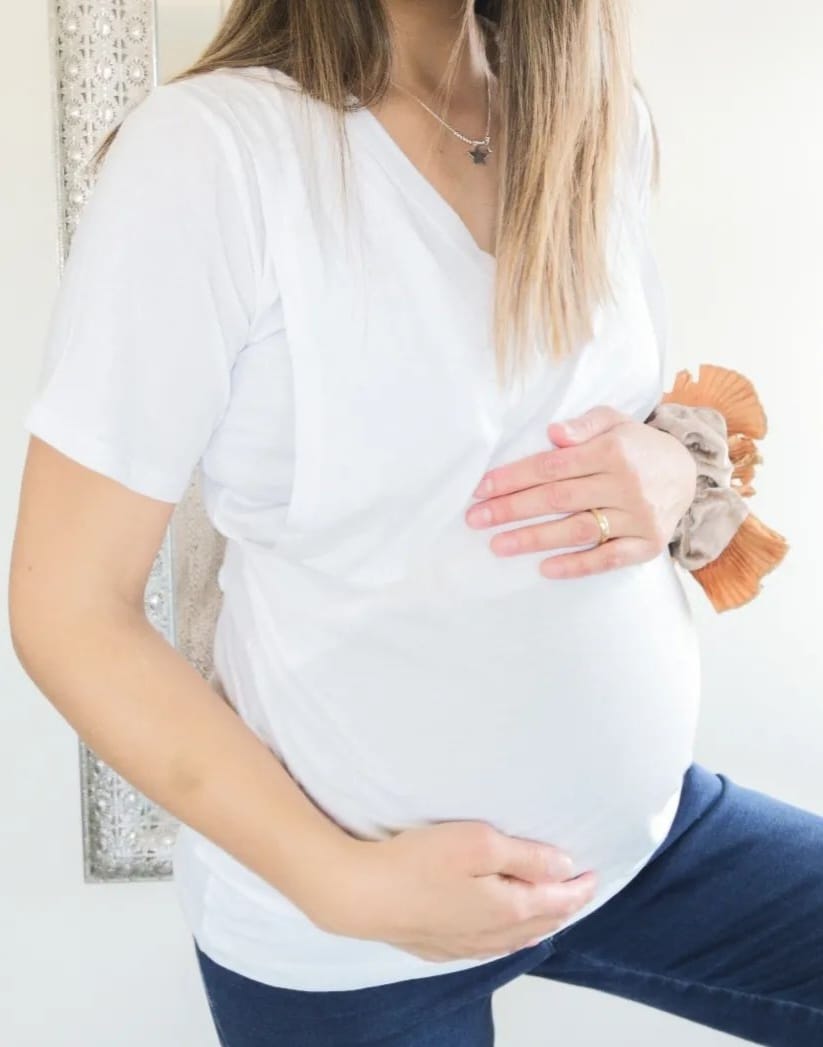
[[454, 889]]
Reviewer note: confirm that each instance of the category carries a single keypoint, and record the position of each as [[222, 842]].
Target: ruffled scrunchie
[[718, 539]]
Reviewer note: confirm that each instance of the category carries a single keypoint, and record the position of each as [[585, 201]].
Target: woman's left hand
[[642, 478]]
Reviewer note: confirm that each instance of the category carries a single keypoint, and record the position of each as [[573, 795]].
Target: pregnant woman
[[460, 674]]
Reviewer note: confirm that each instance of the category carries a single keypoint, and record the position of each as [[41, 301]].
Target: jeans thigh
[[723, 926], [441, 1010]]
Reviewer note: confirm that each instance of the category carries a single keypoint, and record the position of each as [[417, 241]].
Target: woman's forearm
[[150, 715]]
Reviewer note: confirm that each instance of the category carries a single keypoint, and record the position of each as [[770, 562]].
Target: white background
[[736, 89]]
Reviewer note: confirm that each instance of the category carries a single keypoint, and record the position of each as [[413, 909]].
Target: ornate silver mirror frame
[[104, 61]]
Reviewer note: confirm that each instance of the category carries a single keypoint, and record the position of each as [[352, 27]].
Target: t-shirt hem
[[350, 978], [320, 977]]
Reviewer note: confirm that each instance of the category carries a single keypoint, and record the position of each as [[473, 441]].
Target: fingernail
[[551, 569], [505, 543], [561, 866], [479, 517]]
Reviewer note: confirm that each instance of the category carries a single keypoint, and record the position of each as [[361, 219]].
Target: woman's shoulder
[[212, 105], [233, 86]]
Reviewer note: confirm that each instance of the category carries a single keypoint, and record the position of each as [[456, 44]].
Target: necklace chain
[[481, 145]]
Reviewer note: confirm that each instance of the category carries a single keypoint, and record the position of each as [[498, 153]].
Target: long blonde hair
[[564, 75]]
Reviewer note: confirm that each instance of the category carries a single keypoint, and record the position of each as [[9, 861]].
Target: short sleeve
[[158, 295], [643, 153], [643, 167]]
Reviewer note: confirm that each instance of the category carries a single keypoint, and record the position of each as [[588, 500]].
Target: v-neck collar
[[400, 166]]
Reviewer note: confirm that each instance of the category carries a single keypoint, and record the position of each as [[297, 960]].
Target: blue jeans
[[724, 927]]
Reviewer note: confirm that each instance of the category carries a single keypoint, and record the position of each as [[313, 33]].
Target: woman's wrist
[[340, 898]]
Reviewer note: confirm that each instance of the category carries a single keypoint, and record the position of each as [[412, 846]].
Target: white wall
[[97, 964], [737, 94]]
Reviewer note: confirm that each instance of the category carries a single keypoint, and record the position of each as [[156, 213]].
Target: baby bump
[[559, 708]]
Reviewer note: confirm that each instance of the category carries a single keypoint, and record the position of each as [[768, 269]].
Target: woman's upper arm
[[84, 544], [159, 294]]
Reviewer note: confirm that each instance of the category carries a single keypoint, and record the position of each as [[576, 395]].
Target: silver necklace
[[480, 146]]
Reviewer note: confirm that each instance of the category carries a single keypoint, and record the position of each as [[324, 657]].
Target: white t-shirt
[[339, 393]]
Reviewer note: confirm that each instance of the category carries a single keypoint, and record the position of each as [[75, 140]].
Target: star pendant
[[479, 153]]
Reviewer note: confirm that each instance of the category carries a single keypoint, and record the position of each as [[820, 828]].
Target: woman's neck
[[424, 33]]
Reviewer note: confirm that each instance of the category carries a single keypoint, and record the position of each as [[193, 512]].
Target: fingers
[[544, 908], [619, 552], [560, 463], [577, 529], [525, 915], [490, 852], [594, 422], [533, 891], [534, 862], [562, 496]]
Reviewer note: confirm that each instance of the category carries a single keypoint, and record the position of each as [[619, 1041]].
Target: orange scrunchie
[[733, 577]]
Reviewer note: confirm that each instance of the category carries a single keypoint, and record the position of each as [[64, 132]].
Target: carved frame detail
[[104, 60]]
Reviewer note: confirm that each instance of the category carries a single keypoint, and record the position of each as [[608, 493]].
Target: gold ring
[[602, 523]]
